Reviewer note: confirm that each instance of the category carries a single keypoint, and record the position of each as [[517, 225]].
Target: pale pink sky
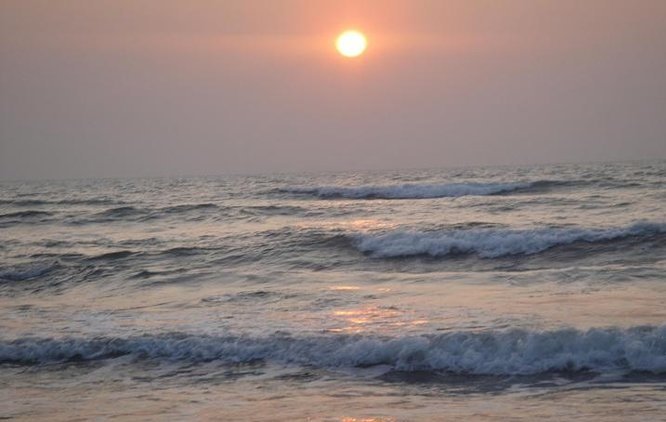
[[164, 87]]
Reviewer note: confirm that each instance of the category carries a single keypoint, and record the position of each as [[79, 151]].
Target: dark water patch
[[323, 239], [185, 251], [112, 215], [260, 294], [89, 201], [50, 278], [186, 208], [69, 257], [143, 274], [121, 212], [465, 383], [291, 247], [26, 214], [232, 258], [406, 191], [298, 377], [592, 182], [239, 297], [140, 243], [138, 214], [55, 243], [272, 210], [544, 186], [524, 204], [621, 205], [298, 247], [28, 271], [249, 297], [467, 226], [25, 217], [23, 202], [50, 202], [112, 256]]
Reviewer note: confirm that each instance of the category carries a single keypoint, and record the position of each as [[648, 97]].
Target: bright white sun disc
[[351, 43]]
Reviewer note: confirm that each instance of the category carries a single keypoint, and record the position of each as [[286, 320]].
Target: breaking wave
[[497, 353], [492, 243]]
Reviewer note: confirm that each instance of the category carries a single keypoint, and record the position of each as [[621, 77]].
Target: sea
[[481, 293]]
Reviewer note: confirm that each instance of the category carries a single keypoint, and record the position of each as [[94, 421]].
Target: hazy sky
[[173, 87]]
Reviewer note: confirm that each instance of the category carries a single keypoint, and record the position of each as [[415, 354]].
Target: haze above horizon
[[126, 88]]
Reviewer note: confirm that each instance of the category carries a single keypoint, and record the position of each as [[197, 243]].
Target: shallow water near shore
[[507, 293]]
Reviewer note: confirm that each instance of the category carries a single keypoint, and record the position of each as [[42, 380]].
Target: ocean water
[[507, 293]]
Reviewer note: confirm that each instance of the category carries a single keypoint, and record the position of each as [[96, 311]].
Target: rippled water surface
[[479, 293]]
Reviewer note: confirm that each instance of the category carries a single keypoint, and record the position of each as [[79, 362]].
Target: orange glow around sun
[[351, 43]]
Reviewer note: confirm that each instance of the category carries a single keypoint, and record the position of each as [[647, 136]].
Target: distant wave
[[491, 243], [500, 352], [413, 191]]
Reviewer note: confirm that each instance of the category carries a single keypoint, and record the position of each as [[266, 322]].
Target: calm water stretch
[[535, 293]]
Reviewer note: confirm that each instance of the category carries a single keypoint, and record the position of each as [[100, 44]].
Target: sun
[[351, 43]]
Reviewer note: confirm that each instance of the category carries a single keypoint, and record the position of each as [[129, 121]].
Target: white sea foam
[[409, 191], [491, 243], [501, 352]]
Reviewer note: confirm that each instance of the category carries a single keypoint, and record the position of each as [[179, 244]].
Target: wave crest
[[491, 243], [497, 353]]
